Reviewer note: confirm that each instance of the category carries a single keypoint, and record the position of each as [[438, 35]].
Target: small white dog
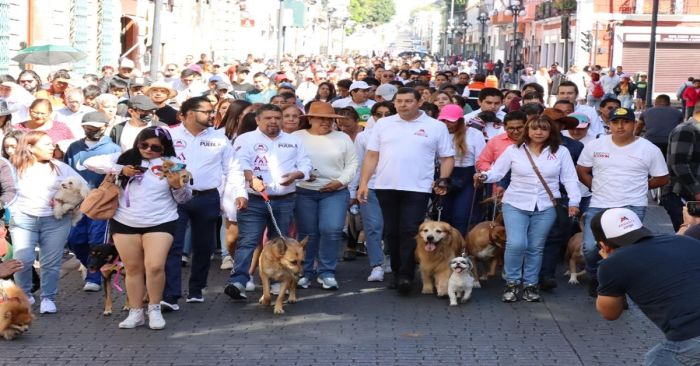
[[461, 282], [71, 192]]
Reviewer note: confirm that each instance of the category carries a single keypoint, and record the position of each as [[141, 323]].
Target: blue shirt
[[79, 151]]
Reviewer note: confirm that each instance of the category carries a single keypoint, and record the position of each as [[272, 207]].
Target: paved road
[[361, 324]]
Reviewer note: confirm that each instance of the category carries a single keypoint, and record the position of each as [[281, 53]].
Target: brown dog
[[437, 242], [15, 310], [281, 260], [486, 242], [574, 255]]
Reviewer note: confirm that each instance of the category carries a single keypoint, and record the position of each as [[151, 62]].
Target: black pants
[[403, 212], [673, 205]]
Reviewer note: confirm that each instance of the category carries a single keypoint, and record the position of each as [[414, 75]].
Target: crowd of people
[[320, 137]]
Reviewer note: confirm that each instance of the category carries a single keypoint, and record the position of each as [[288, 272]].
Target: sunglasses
[[385, 114], [147, 146]]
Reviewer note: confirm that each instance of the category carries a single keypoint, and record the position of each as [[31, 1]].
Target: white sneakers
[[32, 300], [91, 287], [47, 307], [377, 274], [227, 262], [250, 285], [155, 318], [136, 318]]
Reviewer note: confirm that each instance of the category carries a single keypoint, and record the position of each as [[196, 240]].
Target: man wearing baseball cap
[[87, 232], [358, 99], [385, 92], [659, 273], [140, 111], [619, 169]]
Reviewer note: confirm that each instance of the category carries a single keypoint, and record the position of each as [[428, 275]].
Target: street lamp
[[515, 8], [483, 19], [328, 34], [280, 35], [344, 22], [465, 26]]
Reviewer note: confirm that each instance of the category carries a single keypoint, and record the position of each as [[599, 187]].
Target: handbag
[[102, 202], [562, 211]]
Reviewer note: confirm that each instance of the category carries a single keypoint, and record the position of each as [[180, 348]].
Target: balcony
[[551, 9]]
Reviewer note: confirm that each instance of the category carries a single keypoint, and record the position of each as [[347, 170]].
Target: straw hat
[[321, 109], [161, 84]]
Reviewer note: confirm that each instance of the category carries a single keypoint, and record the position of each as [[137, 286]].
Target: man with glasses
[[30, 81], [170, 73], [387, 76], [210, 159], [140, 111], [188, 85]]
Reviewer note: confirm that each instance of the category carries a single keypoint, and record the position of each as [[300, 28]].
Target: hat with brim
[[561, 117], [160, 84], [322, 110], [622, 113], [95, 119], [619, 227], [451, 112]]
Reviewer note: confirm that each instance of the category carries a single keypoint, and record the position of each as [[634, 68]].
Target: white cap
[[386, 91], [618, 226], [359, 85], [127, 63]]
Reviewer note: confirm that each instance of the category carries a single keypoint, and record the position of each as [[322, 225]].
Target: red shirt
[[691, 96], [494, 148], [58, 131]]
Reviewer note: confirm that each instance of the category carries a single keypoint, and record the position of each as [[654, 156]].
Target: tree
[[372, 13]]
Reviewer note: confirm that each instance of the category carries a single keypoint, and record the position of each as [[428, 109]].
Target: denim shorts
[[116, 227]]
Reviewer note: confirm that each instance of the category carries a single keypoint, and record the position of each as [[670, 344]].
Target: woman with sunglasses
[[144, 225], [380, 110], [468, 144]]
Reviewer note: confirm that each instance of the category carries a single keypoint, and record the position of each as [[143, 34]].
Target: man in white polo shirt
[[401, 151], [616, 168], [209, 157], [273, 161]]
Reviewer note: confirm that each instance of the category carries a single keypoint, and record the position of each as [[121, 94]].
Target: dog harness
[[116, 265]]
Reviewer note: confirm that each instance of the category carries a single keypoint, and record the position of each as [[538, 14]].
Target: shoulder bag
[[102, 202], [561, 210]]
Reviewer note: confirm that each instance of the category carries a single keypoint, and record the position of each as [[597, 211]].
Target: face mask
[[146, 117], [94, 135]]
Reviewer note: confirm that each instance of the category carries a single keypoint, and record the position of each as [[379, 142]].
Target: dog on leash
[[437, 242], [486, 242], [71, 192], [105, 258], [461, 282], [15, 310], [281, 260], [573, 256]]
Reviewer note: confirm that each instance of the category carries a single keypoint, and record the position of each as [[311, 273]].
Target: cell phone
[[142, 169], [693, 208]]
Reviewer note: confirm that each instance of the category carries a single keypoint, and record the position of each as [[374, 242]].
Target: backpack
[[102, 202], [597, 90]]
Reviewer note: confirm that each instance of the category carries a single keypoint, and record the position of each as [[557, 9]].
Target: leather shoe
[[405, 286]]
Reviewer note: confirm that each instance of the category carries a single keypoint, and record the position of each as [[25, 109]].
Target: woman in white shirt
[[32, 222], [321, 204], [468, 144], [144, 225], [528, 211]]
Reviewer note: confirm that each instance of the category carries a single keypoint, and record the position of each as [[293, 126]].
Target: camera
[[693, 208]]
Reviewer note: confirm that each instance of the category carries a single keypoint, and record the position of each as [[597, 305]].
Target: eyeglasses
[[147, 146], [211, 111], [27, 81], [380, 114], [171, 69]]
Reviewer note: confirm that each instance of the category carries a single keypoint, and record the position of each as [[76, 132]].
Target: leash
[[437, 205], [117, 266], [495, 207], [266, 198]]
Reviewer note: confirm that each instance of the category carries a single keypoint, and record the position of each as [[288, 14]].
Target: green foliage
[[372, 13], [565, 6]]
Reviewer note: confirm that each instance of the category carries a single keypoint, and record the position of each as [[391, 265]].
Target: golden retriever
[[437, 242]]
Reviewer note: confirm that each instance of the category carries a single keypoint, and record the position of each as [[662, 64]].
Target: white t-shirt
[[360, 148], [621, 174], [489, 129], [37, 186], [128, 136], [475, 144], [407, 151]]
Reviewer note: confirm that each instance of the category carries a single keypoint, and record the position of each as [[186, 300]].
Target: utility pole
[[155, 40], [652, 53], [280, 35]]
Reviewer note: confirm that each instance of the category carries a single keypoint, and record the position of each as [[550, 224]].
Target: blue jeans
[[373, 225], [201, 212], [251, 224], [590, 247], [51, 235], [458, 203], [321, 217], [403, 212], [670, 353], [83, 236], [526, 232]]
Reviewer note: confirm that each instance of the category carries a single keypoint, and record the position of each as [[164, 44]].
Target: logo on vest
[[179, 144], [421, 132], [260, 148], [600, 154], [282, 144]]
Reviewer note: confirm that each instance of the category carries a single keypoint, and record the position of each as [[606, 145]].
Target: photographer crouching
[[660, 273]]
